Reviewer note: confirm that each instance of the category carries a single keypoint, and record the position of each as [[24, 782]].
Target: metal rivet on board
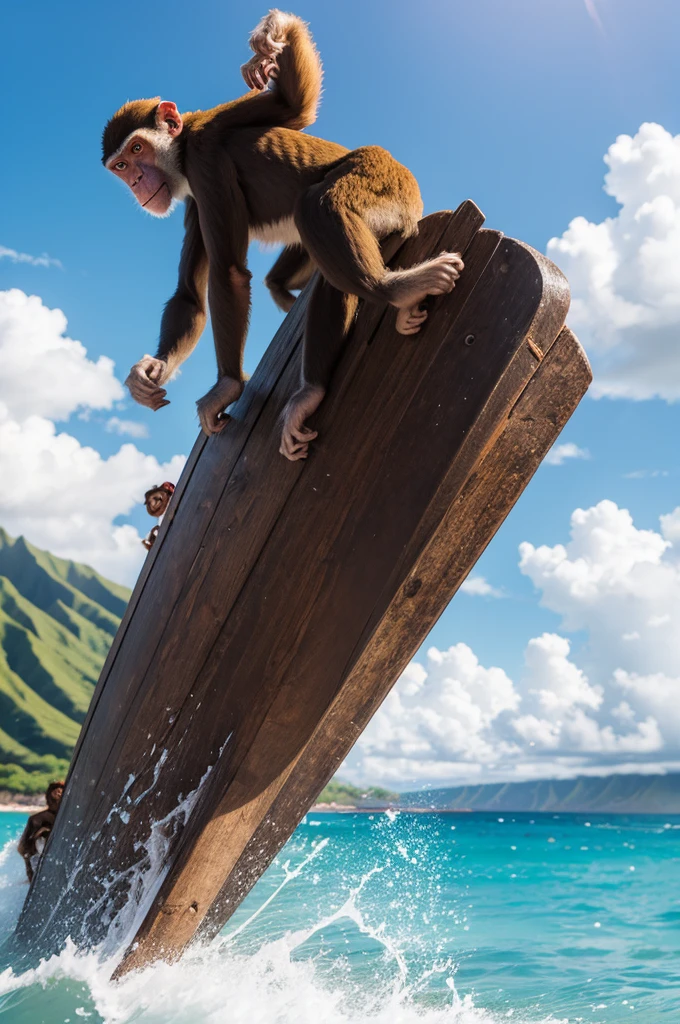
[[470, 339]]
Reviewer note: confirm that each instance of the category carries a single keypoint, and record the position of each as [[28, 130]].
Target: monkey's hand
[[268, 42], [144, 382], [211, 407], [258, 70]]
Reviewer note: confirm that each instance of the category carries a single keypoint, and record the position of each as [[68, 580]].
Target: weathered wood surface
[[281, 601]]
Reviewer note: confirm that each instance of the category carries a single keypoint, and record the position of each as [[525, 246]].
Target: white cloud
[[614, 705], [621, 586], [436, 717], [60, 494], [43, 371], [23, 257], [129, 428], [65, 497], [645, 474], [565, 705], [613, 580], [559, 453], [479, 587], [625, 271]]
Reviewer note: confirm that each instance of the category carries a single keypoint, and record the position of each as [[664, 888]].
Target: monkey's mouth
[[164, 185]]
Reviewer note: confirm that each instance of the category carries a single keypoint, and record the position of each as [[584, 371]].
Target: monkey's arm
[[284, 50], [224, 225], [284, 76], [23, 845], [182, 323]]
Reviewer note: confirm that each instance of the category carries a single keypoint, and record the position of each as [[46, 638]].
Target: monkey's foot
[[437, 276], [296, 437], [211, 407]]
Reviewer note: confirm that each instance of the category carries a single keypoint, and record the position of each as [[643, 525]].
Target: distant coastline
[[612, 794], [383, 809], [633, 793]]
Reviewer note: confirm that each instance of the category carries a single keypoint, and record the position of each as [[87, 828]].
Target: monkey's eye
[[120, 166], [137, 148]]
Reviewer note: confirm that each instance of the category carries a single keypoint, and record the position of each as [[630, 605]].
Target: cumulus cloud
[[438, 720], [129, 428], [45, 372], [610, 705], [613, 580], [60, 494], [479, 587], [564, 709], [625, 271], [23, 257], [559, 453]]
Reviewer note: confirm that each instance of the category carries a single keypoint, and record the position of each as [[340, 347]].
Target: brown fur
[[249, 168]]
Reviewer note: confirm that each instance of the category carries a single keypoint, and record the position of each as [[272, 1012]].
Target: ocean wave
[[219, 986]]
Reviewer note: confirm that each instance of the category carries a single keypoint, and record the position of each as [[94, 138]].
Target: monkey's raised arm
[[284, 75], [284, 50]]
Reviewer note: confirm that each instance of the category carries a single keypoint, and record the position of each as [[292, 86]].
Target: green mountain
[[57, 622], [610, 794]]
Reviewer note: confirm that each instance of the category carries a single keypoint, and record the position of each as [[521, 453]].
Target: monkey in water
[[245, 171], [38, 827]]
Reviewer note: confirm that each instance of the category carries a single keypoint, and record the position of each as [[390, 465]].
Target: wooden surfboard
[[282, 600]]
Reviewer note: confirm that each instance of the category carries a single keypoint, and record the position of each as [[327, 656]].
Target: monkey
[[246, 171], [156, 501], [38, 828]]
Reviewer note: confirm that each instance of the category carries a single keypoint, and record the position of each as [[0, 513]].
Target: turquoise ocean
[[388, 918]]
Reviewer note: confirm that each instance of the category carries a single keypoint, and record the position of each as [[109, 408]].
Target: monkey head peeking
[[157, 499], [245, 171]]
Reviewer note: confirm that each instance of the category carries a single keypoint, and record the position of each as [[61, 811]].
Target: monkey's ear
[[167, 114]]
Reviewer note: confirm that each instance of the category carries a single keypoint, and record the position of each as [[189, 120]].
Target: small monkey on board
[[156, 501], [245, 171]]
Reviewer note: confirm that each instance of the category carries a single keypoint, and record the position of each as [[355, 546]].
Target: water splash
[[288, 877], [221, 984]]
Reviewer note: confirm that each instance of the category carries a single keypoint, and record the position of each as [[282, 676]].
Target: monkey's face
[[54, 799], [156, 502], [149, 164]]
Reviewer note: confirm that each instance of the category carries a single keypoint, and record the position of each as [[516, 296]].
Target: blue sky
[[511, 104]]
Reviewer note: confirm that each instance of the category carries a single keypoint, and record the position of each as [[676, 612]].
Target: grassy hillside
[[57, 622], [346, 795]]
